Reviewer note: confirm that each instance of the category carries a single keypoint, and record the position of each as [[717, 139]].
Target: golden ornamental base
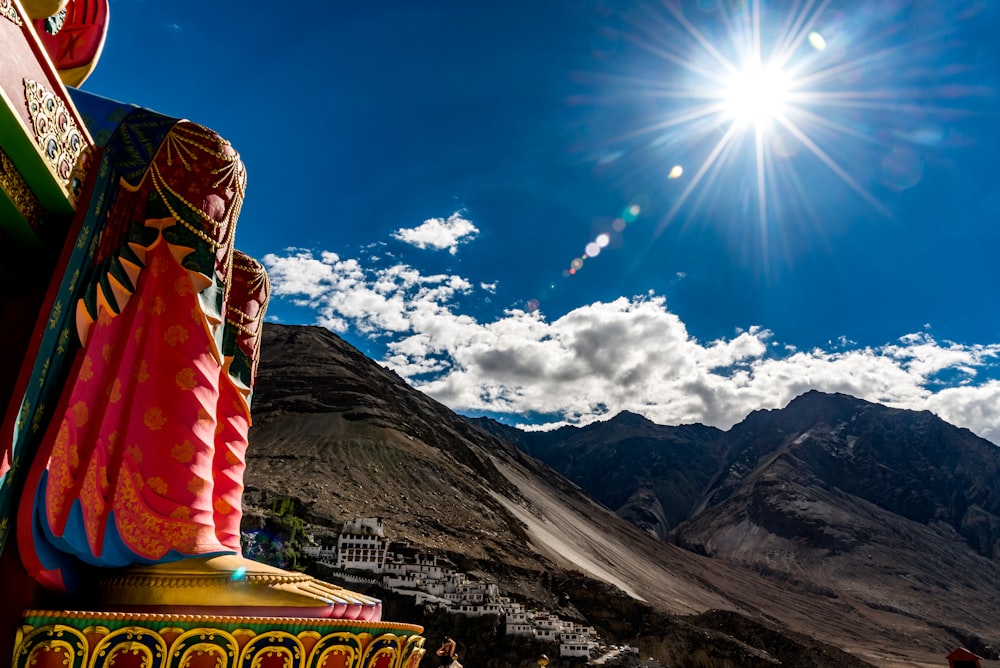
[[71, 639]]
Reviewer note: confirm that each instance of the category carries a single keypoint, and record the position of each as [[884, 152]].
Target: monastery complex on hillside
[[361, 546]]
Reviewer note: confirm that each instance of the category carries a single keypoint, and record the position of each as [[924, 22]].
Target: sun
[[756, 95]]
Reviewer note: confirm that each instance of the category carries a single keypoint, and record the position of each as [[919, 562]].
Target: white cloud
[[627, 354], [344, 295], [439, 233], [923, 354], [972, 407]]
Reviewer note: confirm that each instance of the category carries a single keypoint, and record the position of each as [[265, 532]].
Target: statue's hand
[[72, 32]]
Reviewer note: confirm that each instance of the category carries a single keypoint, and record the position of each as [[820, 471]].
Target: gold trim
[[9, 12], [129, 640], [218, 619], [273, 643], [200, 580], [16, 188], [204, 641], [61, 142], [286, 643], [47, 638]]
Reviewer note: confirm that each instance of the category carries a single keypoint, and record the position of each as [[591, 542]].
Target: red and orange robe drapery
[[143, 459]]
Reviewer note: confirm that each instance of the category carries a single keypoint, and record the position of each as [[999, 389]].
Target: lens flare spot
[[676, 172], [618, 225], [577, 263], [593, 250], [902, 168], [784, 144], [609, 158], [239, 574], [631, 213], [603, 240], [816, 41], [533, 305]]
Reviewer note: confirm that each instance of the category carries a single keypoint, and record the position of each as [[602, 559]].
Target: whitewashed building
[[320, 552], [361, 545], [517, 621], [406, 581], [574, 649], [546, 627], [402, 559], [576, 641]]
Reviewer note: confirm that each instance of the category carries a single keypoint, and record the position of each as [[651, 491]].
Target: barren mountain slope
[[348, 438], [895, 508], [649, 474]]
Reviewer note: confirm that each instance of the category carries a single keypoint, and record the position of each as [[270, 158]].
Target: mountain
[[345, 438], [911, 464], [831, 494], [895, 508], [648, 474]]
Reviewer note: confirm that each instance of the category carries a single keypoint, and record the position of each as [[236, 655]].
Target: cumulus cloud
[[439, 233], [628, 354]]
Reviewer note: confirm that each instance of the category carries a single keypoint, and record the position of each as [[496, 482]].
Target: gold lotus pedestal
[[71, 639]]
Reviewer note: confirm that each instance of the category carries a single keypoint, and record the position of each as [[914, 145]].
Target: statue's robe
[[142, 461]]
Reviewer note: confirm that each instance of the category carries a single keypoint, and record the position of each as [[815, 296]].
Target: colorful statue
[[140, 466]]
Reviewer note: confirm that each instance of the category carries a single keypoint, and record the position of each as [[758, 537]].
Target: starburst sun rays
[[771, 87]]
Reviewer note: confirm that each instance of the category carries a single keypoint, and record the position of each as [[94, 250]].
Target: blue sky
[[551, 211]]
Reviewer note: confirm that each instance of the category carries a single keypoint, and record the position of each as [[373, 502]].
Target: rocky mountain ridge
[[649, 474]]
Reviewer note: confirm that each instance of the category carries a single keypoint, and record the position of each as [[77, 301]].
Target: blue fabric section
[[101, 115], [57, 552], [50, 557], [114, 552]]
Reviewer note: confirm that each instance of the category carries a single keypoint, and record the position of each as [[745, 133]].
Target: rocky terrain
[[741, 580], [832, 494], [649, 474]]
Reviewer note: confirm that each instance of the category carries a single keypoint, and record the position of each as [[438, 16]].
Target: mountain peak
[[630, 419], [818, 395]]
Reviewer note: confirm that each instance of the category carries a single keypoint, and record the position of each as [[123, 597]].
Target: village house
[[517, 620], [546, 627], [403, 559], [577, 641]]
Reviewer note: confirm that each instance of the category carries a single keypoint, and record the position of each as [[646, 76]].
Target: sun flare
[[757, 95], [764, 100]]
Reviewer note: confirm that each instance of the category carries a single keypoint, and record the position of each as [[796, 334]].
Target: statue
[[137, 476]]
